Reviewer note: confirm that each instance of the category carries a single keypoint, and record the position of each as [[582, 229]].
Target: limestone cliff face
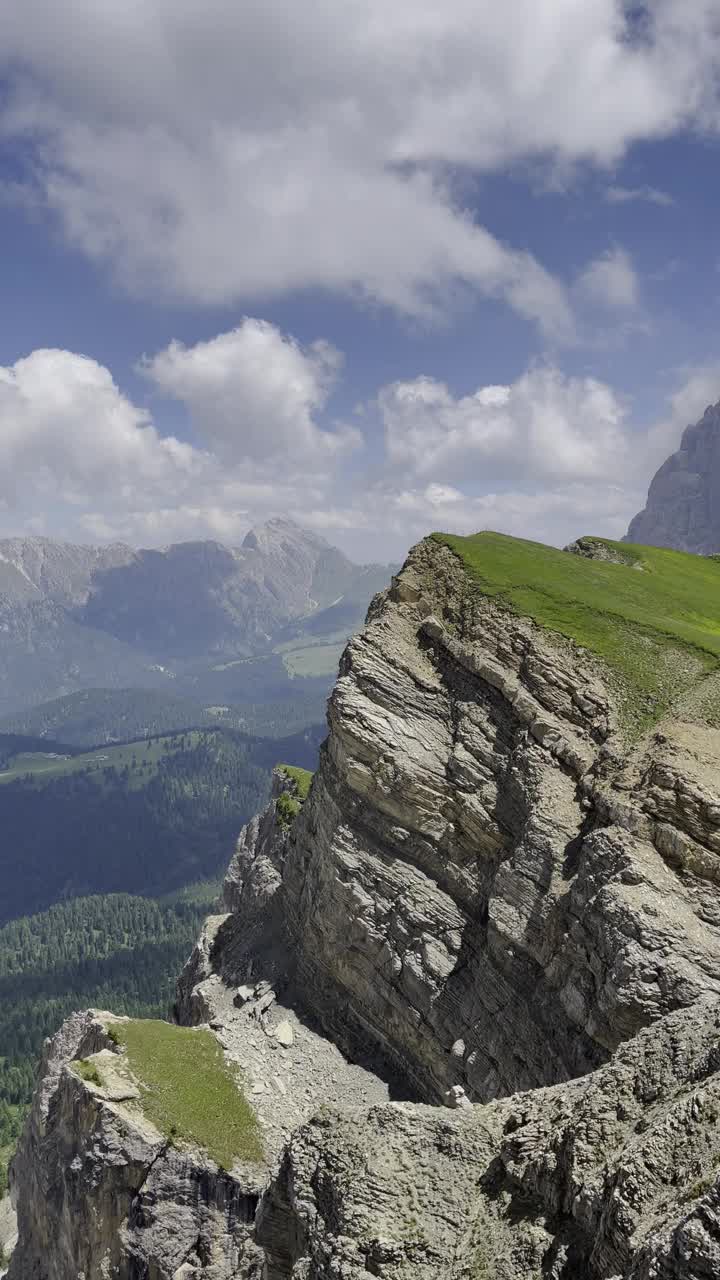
[[489, 897], [683, 505], [481, 889]]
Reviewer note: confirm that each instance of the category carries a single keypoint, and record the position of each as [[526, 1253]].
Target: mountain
[[74, 618], [683, 505], [460, 1014], [38, 568]]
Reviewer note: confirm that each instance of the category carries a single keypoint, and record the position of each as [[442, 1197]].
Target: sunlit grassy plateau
[[653, 617]]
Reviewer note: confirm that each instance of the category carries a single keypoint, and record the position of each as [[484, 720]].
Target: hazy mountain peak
[[59, 571], [683, 504], [281, 534], [74, 617]]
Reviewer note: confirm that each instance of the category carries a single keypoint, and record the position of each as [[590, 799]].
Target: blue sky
[[381, 268]]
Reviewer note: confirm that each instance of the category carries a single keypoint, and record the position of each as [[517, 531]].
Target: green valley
[[153, 814]]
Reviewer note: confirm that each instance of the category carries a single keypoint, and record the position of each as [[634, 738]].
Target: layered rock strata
[[489, 897]]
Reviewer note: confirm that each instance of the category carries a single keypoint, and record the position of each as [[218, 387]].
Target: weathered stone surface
[[481, 858], [616, 1174], [489, 896], [103, 1193], [683, 505], [8, 1232]]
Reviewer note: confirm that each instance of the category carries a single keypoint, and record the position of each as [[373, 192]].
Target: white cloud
[[544, 426], [229, 151], [66, 431], [252, 393], [611, 280], [389, 520], [78, 459], [548, 456], [647, 194]]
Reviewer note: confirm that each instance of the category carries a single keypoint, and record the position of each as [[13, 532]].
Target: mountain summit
[[78, 617], [683, 505]]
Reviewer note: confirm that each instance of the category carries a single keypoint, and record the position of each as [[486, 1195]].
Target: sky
[[382, 266]]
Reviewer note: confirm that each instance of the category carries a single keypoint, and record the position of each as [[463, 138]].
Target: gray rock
[[683, 505], [284, 1034]]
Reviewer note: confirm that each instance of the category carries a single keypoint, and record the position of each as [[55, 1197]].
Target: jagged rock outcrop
[[492, 896], [474, 891], [105, 1193], [683, 504], [615, 1174]]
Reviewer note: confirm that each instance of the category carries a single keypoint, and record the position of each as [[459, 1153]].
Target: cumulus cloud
[[253, 393], [389, 520], [225, 151], [66, 431], [544, 426], [611, 280], [78, 459], [548, 456]]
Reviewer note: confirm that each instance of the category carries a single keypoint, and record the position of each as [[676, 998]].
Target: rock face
[[683, 506], [489, 897], [105, 1194]]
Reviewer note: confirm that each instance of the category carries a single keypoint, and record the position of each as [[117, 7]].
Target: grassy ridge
[[301, 777], [290, 803], [653, 618]]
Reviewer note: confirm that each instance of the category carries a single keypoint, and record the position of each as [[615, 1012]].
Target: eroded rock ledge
[[488, 890]]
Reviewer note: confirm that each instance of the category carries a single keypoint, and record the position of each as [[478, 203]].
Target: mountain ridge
[[74, 617]]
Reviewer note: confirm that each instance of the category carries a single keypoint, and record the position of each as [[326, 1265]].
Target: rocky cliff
[[683, 505], [471, 986]]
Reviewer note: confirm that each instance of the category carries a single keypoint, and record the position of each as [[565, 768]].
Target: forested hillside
[[81, 828], [116, 951], [256, 696], [150, 815], [95, 716]]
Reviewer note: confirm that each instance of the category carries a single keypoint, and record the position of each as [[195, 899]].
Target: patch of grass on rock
[[301, 777], [190, 1091], [88, 1071], [289, 804]]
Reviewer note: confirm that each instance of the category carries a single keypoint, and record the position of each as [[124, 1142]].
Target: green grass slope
[[190, 1091], [651, 615]]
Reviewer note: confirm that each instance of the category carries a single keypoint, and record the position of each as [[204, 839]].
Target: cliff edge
[[469, 984]]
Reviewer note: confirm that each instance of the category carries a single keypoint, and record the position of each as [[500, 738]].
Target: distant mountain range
[[198, 620], [683, 505]]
